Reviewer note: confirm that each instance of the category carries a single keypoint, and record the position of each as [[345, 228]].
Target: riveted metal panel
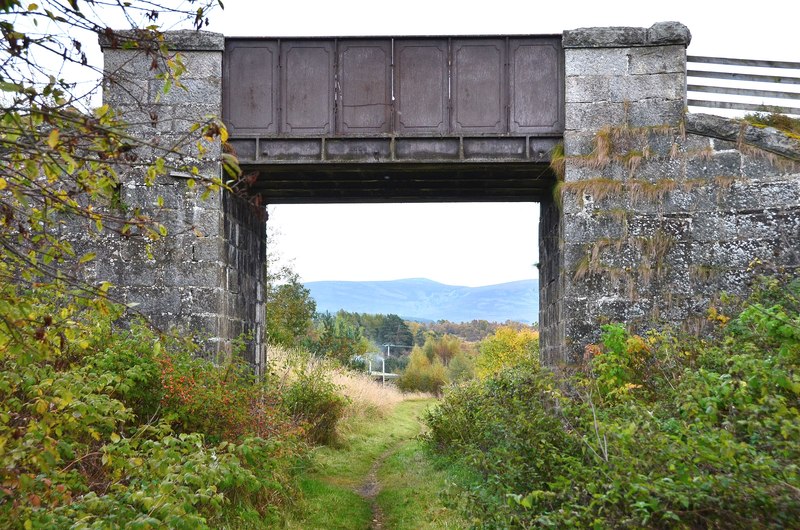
[[495, 148], [537, 92], [421, 86], [250, 92], [479, 86], [365, 86], [362, 149], [427, 148], [307, 76], [290, 149]]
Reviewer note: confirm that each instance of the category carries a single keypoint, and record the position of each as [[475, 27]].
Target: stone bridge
[[648, 212]]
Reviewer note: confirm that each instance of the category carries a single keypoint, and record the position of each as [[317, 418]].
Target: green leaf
[[5, 86]]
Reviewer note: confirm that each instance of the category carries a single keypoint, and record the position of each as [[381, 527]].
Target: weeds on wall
[[634, 262]]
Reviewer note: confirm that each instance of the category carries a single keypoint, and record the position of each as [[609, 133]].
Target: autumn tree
[[507, 347], [62, 155]]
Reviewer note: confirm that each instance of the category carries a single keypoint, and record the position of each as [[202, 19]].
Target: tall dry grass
[[368, 398]]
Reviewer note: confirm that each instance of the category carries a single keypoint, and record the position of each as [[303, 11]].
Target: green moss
[[789, 126]]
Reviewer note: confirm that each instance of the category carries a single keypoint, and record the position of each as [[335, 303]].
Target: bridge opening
[[438, 266]]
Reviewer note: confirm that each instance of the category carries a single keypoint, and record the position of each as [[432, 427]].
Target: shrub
[[317, 403], [659, 431], [93, 433], [505, 348], [461, 368], [422, 374]]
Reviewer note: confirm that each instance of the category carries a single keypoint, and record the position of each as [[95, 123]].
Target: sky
[[468, 244]]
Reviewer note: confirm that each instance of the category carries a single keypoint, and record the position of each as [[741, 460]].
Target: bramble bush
[[104, 428], [660, 431]]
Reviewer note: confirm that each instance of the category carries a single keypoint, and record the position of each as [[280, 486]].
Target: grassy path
[[378, 479]]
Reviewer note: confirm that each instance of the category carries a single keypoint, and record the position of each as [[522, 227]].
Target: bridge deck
[[395, 118]]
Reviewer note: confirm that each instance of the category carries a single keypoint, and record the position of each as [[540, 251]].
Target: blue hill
[[422, 299]]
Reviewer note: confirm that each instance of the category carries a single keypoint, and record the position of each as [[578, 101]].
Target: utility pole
[[390, 346]]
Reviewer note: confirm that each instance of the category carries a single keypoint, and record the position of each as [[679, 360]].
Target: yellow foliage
[[507, 347]]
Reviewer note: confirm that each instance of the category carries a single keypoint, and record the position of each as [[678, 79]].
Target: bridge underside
[[397, 169], [401, 182]]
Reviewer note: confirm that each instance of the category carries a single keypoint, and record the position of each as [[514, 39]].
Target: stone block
[[666, 86], [155, 301], [722, 145], [738, 196], [202, 64], [591, 229], [209, 299], [665, 33], [655, 113], [130, 64], [714, 228], [206, 91], [119, 90], [780, 193], [209, 222], [658, 169], [204, 325], [762, 225], [594, 116], [576, 171], [588, 88], [577, 143], [612, 37], [739, 254], [596, 62], [620, 88], [191, 274], [145, 120], [693, 145], [658, 59], [719, 164], [141, 273], [755, 164]]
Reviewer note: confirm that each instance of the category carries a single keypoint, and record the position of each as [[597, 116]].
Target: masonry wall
[[661, 210], [205, 275]]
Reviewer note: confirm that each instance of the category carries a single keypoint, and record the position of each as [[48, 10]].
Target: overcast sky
[[470, 244]]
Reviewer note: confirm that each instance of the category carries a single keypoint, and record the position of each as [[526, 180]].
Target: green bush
[[317, 404], [95, 432], [422, 374], [506, 347], [657, 431]]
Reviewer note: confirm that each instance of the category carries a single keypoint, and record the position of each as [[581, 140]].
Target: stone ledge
[[766, 138], [182, 40], [659, 34]]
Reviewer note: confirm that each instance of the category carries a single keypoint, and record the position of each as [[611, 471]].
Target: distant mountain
[[422, 299]]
